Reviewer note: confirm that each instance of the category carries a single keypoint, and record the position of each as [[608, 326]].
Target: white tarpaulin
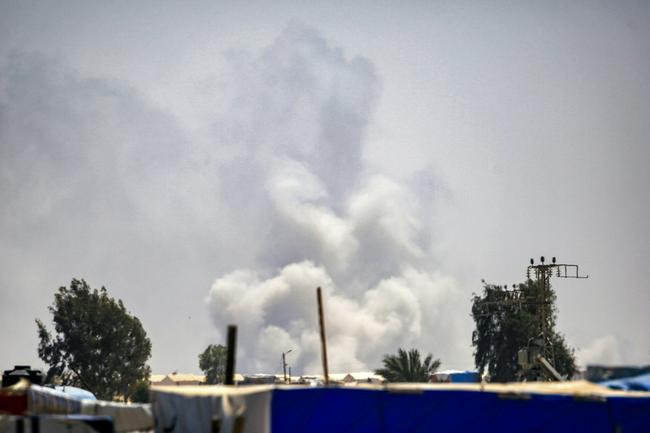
[[126, 417], [47, 401], [204, 409]]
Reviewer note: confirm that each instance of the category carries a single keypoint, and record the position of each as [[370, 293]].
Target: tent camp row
[[176, 379], [394, 408], [518, 407], [183, 379]]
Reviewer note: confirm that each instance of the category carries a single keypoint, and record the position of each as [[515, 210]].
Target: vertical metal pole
[[323, 342], [284, 367], [549, 352], [542, 306], [230, 360], [542, 311]]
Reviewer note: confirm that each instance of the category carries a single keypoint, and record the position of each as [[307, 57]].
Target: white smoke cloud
[[299, 199], [320, 217], [279, 313], [605, 350], [273, 196], [98, 183]]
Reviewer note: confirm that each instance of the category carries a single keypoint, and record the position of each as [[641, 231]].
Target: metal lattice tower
[[537, 360], [543, 273]]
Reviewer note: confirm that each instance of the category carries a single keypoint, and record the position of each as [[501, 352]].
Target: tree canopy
[[140, 392], [213, 363], [408, 367], [505, 323], [97, 344]]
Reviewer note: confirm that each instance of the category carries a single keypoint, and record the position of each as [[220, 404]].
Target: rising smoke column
[[315, 215]]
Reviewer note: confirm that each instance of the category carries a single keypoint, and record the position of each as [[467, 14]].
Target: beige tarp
[[580, 388]]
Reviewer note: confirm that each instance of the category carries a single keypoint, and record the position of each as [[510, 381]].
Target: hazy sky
[[213, 162]]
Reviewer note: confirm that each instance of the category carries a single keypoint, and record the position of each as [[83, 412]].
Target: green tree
[[213, 363], [98, 345], [506, 321], [139, 392], [408, 367]]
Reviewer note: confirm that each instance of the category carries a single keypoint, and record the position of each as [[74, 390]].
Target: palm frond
[[407, 366]]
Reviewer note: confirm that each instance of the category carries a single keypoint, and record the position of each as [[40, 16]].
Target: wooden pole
[[230, 359], [323, 342]]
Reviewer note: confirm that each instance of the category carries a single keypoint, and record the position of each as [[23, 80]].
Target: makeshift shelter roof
[[78, 393], [455, 371], [343, 377], [480, 408], [365, 375], [157, 378], [186, 377], [24, 398], [635, 383], [456, 376]]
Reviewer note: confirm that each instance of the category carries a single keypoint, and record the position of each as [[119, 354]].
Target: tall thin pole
[[284, 367], [544, 307], [323, 342], [230, 359]]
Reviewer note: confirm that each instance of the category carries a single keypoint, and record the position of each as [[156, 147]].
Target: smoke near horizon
[[209, 165], [323, 218], [273, 187]]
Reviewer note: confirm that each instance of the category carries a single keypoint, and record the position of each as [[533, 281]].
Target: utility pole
[[323, 340], [284, 364], [537, 359], [284, 367], [230, 356]]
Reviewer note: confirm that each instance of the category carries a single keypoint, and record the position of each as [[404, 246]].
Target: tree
[[506, 321], [139, 392], [98, 345], [213, 363], [407, 367]]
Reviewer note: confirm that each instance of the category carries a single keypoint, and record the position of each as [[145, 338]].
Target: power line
[[537, 359]]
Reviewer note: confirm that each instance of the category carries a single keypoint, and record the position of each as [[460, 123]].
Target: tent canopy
[[635, 383], [481, 408]]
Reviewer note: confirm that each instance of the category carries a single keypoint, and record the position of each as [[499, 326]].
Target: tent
[[34, 401], [456, 376], [635, 383], [395, 408], [78, 393]]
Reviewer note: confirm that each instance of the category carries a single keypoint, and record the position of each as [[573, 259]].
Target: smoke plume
[[267, 190], [316, 215]]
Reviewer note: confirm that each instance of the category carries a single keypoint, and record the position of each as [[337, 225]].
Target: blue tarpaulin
[[359, 410], [456, 376], [635, 383], [570, 407]]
